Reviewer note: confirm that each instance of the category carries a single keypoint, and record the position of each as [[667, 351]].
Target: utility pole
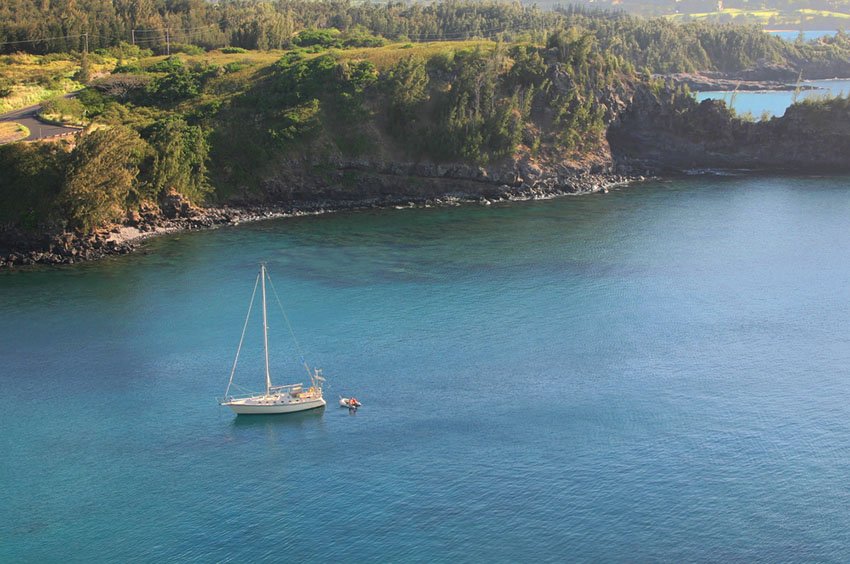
[[167, 41]]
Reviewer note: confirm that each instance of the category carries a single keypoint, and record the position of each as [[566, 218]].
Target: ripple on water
[[656, 374]]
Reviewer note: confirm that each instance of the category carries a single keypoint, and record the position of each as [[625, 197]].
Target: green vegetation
[[252, 87], [180, 160], [806, 14], [195, 26], [474, 102], [824, 113], [100, 177], [66, 111], [27, 79], [30, 184], [10, 132]]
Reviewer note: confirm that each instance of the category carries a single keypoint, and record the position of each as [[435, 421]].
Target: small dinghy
[[350, 403]]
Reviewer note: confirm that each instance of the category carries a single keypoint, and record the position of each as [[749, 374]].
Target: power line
[[178, 29], [186, 31], [43, 39], [168, 34]]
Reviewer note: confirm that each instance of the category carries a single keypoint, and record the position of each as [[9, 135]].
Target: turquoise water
[[776, 102], [808, 35], [658, 373]]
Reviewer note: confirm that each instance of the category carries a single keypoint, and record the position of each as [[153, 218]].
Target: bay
[[773, 103], [791, 35], [657, 373]]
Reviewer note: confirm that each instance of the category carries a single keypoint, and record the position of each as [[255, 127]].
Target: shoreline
[[72, 248]]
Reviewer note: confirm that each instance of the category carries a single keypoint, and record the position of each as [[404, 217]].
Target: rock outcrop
[[650, 132], [658, 135]]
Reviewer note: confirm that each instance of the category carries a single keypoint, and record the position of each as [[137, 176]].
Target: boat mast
[[265, 330]]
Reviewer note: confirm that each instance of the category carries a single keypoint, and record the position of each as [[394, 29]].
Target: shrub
[[187, 48], [322, 37], [361, 37], [234, 67], [174, 87], [297, 122], [93, 101], [31, 179], [53, 57], [64, 110], [180, 159], [170, 64], [100, 177], [125, 50], [233, 50], [124, 68], [122, 86]]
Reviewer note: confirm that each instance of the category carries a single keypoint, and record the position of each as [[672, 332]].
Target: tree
[[100, 177], [407, 85], [180, 161], [84, 74], [32, 177], [176, 86]]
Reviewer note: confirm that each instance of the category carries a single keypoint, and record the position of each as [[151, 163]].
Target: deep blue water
[[775, 102], [659, 373]]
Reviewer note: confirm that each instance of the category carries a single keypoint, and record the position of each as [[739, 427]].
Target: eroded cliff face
[[651, 131], [338, 180], [664, 132], [321, 174]]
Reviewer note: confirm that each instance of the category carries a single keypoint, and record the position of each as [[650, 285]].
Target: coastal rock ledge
[[350, 185]]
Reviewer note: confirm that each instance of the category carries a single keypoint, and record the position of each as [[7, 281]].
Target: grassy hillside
[[215, 125], [796, 18], [291, 123]]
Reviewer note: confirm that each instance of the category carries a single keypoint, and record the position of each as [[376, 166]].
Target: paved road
[[38, 129]]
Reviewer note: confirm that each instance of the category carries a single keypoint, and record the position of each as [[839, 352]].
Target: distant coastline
[[69, 248]]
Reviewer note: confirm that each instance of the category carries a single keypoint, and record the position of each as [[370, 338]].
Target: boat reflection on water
[[297, 419]]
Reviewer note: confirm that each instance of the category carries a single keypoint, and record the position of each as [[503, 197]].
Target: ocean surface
[[775, 102], [660, 373]]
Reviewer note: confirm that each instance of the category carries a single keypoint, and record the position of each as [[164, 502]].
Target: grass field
[[763, 17], [824, 14], [31, 79], [381, 57]]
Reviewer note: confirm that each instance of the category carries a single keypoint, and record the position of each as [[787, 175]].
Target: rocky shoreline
[[708, 83], [177, 215]]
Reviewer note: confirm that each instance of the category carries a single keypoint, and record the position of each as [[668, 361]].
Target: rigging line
[[289, 325], [244, 390], [242, 338]]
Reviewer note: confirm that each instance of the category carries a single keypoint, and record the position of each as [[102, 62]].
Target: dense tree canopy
[[662, 46], [547, 85], [100, 177]]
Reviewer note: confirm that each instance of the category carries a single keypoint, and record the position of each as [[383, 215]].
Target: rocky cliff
[[666, 132], [651, 130]]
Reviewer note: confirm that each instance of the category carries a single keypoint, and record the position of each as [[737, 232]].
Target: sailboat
[[276, 399]]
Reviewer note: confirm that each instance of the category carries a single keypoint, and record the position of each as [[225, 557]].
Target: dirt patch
[[11, 132]]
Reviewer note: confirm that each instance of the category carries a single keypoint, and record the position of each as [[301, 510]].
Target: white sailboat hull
[[266, 406], [288, 398]]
